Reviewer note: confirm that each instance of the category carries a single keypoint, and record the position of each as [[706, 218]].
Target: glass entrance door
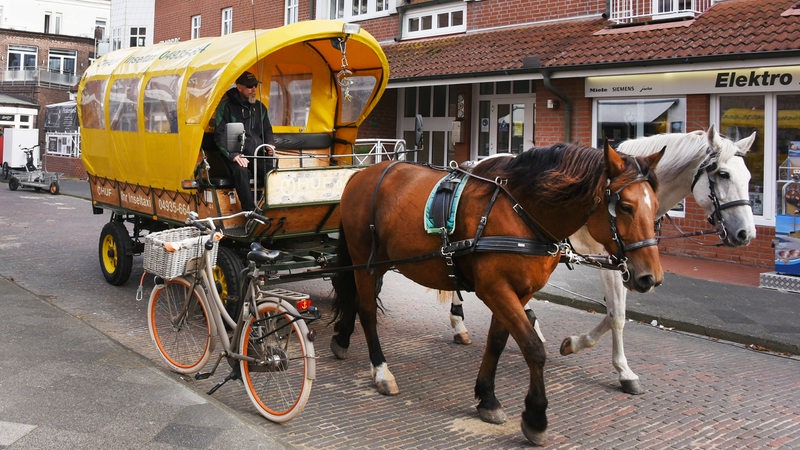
[[505, 126]]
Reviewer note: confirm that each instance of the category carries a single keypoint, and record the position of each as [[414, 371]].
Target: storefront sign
[[700, 82]]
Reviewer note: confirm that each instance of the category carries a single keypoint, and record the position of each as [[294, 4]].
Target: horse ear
[[712, 131], [745, 144], [653, 159], [615, 165]]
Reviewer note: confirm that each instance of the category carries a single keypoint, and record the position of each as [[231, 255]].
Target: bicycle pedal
[[202, 376]]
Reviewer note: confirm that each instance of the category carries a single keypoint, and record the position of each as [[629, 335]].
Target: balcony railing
[[38, 77], [634, 11]]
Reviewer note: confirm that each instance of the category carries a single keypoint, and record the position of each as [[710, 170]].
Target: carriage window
[[198, 89], [161, 104], [360, 92], [123, 115], [92, 113], [275, 107], [299, 102]]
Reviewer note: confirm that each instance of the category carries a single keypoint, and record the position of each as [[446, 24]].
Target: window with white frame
[[292, 12], [138, 36], [22, 57], [359, 9], [100, 28], [435, 21], [227, 21], [196, 21], [62, 61]]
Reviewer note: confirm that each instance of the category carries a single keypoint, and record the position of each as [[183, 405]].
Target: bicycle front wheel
[[279, 381], [179, 325]]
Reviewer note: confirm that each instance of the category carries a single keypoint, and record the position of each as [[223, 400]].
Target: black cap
[[247, 79]]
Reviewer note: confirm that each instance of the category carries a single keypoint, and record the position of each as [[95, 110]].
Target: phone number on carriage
[[173, 207]]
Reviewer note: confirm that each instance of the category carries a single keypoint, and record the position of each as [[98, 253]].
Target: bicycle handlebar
[[208, 223]]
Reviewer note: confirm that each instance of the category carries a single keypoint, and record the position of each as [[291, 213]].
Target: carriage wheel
[[55, 188], [227, 278], [116, 255], [13, 183]]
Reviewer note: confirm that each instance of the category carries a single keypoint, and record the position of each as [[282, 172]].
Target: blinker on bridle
[[612, 198], [709, 167]]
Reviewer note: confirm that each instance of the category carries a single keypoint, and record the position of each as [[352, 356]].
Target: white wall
[[131, 13], [78, 17]]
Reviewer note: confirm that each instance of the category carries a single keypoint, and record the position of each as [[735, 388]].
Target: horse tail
[[344, 281]]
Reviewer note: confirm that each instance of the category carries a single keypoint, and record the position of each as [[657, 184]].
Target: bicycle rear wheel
[[180, 326], [279, 381]]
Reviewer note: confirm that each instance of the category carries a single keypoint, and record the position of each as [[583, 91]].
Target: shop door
[[505, 126]]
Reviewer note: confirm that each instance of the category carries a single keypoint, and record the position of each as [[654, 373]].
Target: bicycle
[[270, 347]]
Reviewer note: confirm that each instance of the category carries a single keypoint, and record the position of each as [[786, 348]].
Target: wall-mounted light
[[552, 104]]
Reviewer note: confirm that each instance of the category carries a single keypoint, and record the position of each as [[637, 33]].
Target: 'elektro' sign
[[700, 82]]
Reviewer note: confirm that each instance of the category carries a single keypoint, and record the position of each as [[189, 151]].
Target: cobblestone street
[[700, 393]]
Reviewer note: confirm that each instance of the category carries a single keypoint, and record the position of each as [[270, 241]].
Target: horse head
[[625, 224], [720, 187]]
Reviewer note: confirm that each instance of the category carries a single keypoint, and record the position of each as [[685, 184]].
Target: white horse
[[701, 163]]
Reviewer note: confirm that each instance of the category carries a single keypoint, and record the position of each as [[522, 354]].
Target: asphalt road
[[700, 392]]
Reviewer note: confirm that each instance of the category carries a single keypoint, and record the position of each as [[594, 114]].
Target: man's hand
[[270, 150], [240, 160]]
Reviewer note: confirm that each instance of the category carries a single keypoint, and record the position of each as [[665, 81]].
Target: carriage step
[[284, 294]]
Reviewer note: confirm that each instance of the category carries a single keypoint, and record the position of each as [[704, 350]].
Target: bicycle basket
[[189, 243]]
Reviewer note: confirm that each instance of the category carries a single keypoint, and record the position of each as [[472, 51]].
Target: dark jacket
[[257, 127]]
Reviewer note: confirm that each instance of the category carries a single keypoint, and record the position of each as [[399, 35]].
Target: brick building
[[497, 76], [44, 48]]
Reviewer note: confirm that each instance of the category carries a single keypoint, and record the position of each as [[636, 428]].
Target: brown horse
[[513, 215]]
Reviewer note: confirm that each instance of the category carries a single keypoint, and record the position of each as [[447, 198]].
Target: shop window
[[620, 120], [787, 138], [740, 116]]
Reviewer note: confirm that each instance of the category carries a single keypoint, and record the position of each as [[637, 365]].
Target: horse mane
[[556, 174]]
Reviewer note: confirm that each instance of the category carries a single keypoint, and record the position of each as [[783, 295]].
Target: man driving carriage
[[241, 104]]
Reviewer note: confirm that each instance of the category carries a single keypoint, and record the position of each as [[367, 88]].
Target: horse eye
[[626, 208], [724, 175]]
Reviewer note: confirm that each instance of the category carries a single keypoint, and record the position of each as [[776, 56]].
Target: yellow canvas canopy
[[143, 111]]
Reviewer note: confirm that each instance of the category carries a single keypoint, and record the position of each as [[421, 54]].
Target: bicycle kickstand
[[234, 375]]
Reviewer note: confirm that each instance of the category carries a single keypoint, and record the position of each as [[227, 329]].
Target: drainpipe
[[565, 100]]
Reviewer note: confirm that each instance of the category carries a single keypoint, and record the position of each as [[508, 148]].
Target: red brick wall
[[70, 167], [382, 121], [493, 13], [550, 122]]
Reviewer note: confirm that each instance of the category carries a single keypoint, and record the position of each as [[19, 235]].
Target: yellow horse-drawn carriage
[[145, 116]]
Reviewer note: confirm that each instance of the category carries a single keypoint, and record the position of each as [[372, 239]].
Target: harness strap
[[372, 228]]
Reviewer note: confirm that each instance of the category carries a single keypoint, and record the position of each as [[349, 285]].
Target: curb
[[714, 333]]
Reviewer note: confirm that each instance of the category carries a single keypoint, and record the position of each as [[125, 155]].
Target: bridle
[[612, 198], [709, 167]]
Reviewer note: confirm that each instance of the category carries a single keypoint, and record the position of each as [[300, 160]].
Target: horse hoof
[[566, 347], [338, 351], [631, 387], [537, 438], [387, 387], [462, 338], [495, 416]]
